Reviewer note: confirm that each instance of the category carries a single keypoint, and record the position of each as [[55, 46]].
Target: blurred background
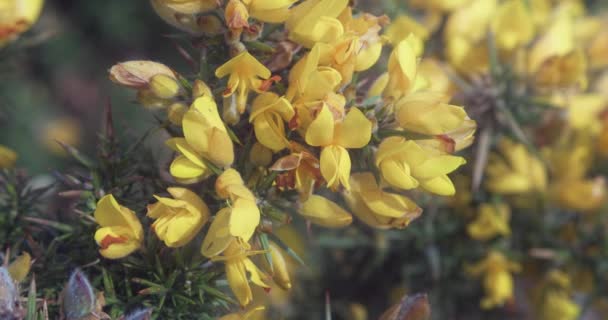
[[56, 81]]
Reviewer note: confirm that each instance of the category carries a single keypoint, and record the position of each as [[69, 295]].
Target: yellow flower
[[246, 73], [492, 220], [300, 171], [310, 82], [427, 112], [238, 265], [244, 214], [497, 278], [559, 306], [205, 138], [321, 211], [315, 21], [571, 188], [517, 172], [376, 207], [597, 48], [268, 115], [555, 60], [584, 111], [120, 233], [455, 140], [465, 34], [236, 15], [17, 16], [178, 220], [402, 26], [335, 137], [271, 11], [406, 165], [65, 130], [8, 158], [243, 315], [402, 66], [512, 25], [581, 194], [438, 81]]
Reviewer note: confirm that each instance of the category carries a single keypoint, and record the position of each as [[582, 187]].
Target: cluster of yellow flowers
[[305, 134], [559, 54]]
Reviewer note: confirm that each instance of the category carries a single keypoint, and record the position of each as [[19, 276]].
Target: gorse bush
[[314, 166]]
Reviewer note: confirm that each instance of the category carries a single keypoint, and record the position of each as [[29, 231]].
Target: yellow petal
[[239, 284], [110, 213], [244, 219], [321, 129], [325, 213], [355, 131], [335, 166], [19, 268], [218, 236], [183, 168]]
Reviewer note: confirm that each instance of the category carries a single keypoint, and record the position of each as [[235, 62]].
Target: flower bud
[[230, 114], [260, 156], [142, 314], [236, 15], [19, 268], [78, 297], [9, 304], [137, 74], [210, 24], [176, 112], [164, 87], [148, 99], [280, 273]]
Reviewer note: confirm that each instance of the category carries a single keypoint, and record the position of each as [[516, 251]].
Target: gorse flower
[[246, 73], [268, 115], [518, 172], [8, 157], [376, 207], [497, 279], [406, 165], [238, 266], [178, 220], [335, 137], [492, 220], [205, 139], [121, 232], [244, 213], [16, 17]]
